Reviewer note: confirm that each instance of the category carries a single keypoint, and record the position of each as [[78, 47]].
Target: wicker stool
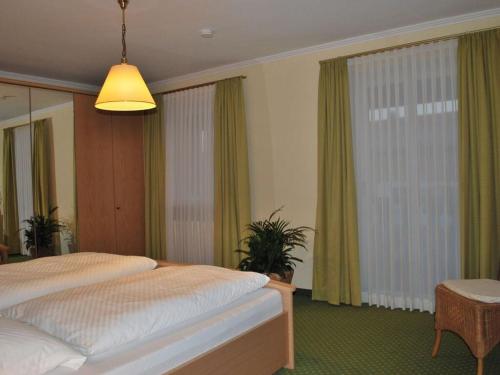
[[476, 322]]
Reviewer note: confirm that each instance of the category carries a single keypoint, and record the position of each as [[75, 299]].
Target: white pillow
[[26, 350]]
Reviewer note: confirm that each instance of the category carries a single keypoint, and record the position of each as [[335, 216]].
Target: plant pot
[[41, 252], [286, 278]]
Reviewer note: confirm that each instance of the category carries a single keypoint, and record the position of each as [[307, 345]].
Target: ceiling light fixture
[[124, 88], [206, 33]]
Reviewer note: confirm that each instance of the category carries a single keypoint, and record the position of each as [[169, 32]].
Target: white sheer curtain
[[22, 147], [404, 117], [190, 175]]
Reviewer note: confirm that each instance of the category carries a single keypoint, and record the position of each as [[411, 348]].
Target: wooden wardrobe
[[109, 179]]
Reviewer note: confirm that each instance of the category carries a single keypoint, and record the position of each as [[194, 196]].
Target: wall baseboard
[[303, 292]]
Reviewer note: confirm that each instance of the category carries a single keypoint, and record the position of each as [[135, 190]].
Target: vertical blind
[[190, 175], [22, 146], [404, 118]]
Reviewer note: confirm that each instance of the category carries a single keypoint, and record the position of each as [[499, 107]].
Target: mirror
[[15, 166], [53, 172], [37, 184]]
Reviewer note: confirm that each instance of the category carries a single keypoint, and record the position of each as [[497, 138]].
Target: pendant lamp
[[124, 88]]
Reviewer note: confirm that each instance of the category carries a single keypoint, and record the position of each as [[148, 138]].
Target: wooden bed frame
[[262, 350]]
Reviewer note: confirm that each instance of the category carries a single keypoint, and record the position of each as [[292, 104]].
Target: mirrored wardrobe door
[[16, 205], [53, 172]]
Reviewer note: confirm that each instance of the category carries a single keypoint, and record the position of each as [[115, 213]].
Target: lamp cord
[[123, 5]]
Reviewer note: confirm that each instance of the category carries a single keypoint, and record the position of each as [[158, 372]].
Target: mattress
[[23, 281], [170, 348]]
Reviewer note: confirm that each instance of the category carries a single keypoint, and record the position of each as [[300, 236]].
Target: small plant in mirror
[[68, 236], [39, 234]]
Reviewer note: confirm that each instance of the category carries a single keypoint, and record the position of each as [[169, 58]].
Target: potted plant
[[39, 234], [67, 236], [270, 245]]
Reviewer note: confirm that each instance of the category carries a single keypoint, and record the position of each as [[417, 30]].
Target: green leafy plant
[[67, 234], [270, 244], [40, 230]]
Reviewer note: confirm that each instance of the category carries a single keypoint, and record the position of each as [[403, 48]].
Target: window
[[404, 119], [190, 175]]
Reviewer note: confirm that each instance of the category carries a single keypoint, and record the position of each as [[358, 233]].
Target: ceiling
[[79, 40], [15, 100]]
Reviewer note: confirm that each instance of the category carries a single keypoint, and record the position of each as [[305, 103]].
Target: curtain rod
[[411, 44], [16, 126], [27, 124], [196, 86]]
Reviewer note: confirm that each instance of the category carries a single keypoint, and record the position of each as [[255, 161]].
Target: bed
[[246, 326], [261, 350], [23, 281]]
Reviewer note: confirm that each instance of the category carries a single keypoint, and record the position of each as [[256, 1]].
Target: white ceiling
[[79, 40]]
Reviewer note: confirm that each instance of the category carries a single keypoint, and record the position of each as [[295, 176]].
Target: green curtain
[[10, 213], [41, 168], [479, 153], [232, 187], [154, 177], [336, 256]]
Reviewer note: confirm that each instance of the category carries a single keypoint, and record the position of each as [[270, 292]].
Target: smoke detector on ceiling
[[206, 33]]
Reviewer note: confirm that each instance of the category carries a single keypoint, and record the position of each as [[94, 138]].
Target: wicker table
[[477, 323]]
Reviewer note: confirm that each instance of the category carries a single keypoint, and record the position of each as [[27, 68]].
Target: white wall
[[281, 103]]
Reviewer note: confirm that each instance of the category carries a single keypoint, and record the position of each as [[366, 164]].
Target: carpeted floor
[[17, 258], [369, 340]]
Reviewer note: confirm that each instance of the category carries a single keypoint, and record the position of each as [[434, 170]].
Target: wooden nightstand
[[166, 263]]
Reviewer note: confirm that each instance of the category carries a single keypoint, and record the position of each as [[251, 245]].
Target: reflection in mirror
[[51, 230], [15, 167]]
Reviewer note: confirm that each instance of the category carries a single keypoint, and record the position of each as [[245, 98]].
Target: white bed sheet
[[170, 348], [20, 282]]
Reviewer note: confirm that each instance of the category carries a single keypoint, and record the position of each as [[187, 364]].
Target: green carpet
[[16, 258], [370, 340]]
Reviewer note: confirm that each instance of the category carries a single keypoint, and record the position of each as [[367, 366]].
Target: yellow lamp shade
[[124, 90]]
